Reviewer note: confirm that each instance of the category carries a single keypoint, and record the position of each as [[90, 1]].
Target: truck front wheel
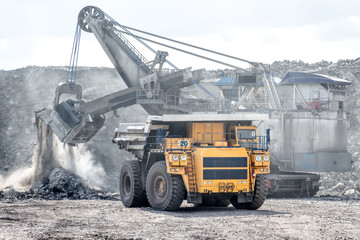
[[260, 193], [164, 191], [131, 188]]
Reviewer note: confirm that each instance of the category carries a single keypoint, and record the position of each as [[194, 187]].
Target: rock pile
[[61, 184], [341, 184]]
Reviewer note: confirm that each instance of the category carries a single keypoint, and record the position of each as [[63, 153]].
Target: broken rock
[[9, 192], [339, 186], [352, 193], [63, 181]]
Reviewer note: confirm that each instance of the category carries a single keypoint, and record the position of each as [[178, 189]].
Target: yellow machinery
[[206, 164]]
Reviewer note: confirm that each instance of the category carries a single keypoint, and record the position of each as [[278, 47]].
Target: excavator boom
[[77, 120]]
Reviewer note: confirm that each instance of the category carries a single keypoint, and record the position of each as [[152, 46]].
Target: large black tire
[[132, 192], [165, 192], [260, 193]]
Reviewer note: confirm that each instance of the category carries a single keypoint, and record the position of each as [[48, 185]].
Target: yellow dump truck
[[207, 163]]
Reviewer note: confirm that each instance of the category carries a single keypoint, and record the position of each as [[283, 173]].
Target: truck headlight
[[175, 157], [183, 157], [258, 158], [266, 158]]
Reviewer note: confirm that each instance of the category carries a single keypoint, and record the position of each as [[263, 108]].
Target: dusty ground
[[94, 219]]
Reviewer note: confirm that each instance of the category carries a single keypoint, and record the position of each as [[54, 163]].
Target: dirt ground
[[99, 219]]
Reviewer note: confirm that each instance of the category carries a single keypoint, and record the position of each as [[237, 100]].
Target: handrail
[[208, 140]]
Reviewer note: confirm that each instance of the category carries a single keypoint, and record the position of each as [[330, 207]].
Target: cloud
[[343, 29], [3, 44], [40, 32], [270, 44]]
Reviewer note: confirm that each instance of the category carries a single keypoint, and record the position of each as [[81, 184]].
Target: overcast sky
[[40, 32]]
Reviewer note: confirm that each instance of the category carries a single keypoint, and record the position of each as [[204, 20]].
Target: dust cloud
[[25, 91], [50, 153]]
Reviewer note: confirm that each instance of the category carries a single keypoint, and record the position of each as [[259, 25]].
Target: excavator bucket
[[66, 120]]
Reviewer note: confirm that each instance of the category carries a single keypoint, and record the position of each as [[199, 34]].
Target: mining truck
[[205, 150], [181, 157]]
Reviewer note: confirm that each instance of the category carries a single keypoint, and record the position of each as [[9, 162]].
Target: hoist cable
[[189, 45], [184, 51], [74, 56]]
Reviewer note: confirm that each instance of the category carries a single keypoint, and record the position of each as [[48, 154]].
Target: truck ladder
[[191, 176]]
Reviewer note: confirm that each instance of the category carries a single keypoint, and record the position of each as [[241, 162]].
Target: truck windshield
[[246, 134]]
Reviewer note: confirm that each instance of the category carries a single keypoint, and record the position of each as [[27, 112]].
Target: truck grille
[[224, 162], [225, 174]]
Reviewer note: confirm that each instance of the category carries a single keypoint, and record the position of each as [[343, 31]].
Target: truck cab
[[256, 146]]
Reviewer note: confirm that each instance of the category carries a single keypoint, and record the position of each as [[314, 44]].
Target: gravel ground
[[102, 219]]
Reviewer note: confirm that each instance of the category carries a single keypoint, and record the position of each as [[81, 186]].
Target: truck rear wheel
[[164, 191], [131, 188], [260, 193]]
